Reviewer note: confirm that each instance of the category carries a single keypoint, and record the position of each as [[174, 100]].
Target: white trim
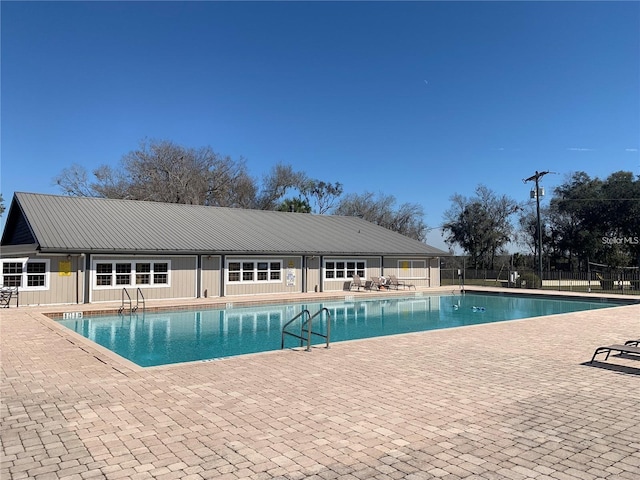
[[24, 275], [413, 274], [254, 272], [132, 273], [344, 260]]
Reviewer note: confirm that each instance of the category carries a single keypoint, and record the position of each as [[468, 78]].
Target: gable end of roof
[[17, 230]]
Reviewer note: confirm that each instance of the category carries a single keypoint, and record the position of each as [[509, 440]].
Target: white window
[[25, 274], [121, 274], [335, 269], [412, 268], [254, 271]]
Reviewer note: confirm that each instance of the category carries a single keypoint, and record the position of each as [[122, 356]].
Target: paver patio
[[512, 400]]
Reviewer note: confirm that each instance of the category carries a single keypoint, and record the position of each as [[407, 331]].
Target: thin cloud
[[630, 149], [580, 149]]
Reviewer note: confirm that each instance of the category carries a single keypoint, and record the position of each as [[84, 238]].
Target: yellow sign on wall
[[404, 265], [64, 268]]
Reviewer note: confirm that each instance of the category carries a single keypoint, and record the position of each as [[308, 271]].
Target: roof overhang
[[13, 250]]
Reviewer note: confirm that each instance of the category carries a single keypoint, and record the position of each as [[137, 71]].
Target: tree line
[[587, 220], [162, 171]]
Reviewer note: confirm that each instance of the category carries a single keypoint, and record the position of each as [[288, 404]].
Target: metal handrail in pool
[[144, 303], [121, 309], [306, 327], [328, 335]]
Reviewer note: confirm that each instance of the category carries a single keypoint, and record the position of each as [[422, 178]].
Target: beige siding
[[314, 283], [65, 283], [434, 272], [414, 270], [374, 267], [289, 265], [182, 282], [372, 270], [211, 276]]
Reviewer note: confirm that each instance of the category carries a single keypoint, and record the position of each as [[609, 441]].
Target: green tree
[[597, 220], [298, 205], [480, 225]]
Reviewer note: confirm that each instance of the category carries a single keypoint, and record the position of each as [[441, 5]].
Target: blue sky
[[420, 100]]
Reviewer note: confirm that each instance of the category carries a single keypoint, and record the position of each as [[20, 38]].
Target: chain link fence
[[624, 281]]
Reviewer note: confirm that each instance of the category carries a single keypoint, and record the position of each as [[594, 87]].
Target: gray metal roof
[[86, 224]]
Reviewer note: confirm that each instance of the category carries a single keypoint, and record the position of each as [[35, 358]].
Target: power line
[[595, 199]]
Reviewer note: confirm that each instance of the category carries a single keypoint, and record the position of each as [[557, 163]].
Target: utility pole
[[538, 193]]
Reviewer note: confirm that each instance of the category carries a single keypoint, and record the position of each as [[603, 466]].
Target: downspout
[[79, 267], [199, 276], [223, 266], [87, 278], [304, 274]]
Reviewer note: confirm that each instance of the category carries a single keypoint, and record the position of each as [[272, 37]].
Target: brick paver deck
[[511, 400]]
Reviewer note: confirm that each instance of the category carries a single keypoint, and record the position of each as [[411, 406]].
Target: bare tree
[[230, 185], [74, 181], [162, 171], [408, 219], [323, 194], [276, 183], [166, 172]]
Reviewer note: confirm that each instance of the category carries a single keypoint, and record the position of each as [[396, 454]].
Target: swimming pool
[[161, 338]]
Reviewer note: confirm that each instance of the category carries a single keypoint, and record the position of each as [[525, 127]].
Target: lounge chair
[[633, 343], [381, 283], [634, 350], [356, 282], [395, 283], [6, 294]]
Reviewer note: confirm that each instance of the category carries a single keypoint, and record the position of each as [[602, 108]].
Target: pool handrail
[[328, 335], [306, 328], [138, 296], [121, 309], [130, 302], [284, 329]]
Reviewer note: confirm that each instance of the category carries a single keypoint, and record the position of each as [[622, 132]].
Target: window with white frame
[[335, 269], [411, 268], [254, 271], [26, 274], [121, 274]]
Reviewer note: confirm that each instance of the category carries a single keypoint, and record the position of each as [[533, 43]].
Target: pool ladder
[[306, 326], [132, 309]]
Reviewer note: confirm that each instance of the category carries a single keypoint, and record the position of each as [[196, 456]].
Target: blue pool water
[[160, 338]]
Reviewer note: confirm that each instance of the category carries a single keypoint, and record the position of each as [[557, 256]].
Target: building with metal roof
[[61, 249]]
